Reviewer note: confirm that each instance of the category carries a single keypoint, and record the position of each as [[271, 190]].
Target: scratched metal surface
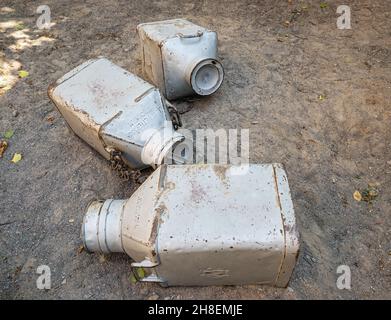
[[111, 109], [198, 225], [227, 221], [170, 51], [274, 76]]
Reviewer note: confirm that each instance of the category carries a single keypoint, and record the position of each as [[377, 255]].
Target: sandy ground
[[314, 97]]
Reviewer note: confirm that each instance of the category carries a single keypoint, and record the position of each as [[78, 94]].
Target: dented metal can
[[202, 225], [118, 114], [180, 58]]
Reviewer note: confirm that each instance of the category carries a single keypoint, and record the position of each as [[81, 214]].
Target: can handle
[[187, 36]]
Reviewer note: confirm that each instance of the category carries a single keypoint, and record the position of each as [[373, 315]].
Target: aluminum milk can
[[118, 114], [202, 225], [180, 58]]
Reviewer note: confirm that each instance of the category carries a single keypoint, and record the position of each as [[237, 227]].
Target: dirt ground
[[314, 97]]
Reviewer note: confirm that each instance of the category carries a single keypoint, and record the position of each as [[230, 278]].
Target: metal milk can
[[202, 224], [118, 114], [180, 58]]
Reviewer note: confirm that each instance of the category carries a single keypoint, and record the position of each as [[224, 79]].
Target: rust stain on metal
[[221, 171], [168, 186], [105, 124], [214, 273], [160, 210], [283, 223], [85, 118], [163, 186], [289, 227], [197, 192], [276, 188]]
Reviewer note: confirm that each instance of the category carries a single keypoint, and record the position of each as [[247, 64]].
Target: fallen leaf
[[8, 134], [3, 147], [137, 273], [357, 195], [132, 279], [23, 74], [80, 250], [370, 193], [321, 97], [50, 118], [323, 5], [140, 273], [16, 158], [20, 26]]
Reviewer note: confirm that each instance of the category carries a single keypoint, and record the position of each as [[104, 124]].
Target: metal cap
[[207, 76], [101, 228]]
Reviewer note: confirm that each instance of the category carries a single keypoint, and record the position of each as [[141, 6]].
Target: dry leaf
[[357, 195], [3, 147], [80, 250], [16, 158]]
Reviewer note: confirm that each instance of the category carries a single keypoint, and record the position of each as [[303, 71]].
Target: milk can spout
[[205, 76], [101, 229], [160, 145]]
